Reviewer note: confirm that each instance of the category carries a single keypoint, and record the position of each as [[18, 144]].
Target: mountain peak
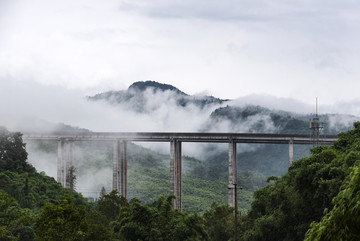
[[143, 85]]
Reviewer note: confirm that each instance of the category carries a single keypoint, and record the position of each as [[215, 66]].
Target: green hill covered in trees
[[317, 199], [285, 209]]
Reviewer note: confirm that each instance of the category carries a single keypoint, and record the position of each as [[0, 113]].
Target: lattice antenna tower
[[316, 127]]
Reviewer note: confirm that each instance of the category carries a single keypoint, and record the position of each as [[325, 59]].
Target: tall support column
[[175, 173], [69, 168], [232, 174], [65, 162], [120, 167], [291, 151], [60, 162]]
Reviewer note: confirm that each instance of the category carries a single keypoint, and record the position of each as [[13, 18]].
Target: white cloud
[[298, 49]]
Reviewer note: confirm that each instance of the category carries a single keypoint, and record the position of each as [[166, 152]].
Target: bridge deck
[[187, 137]]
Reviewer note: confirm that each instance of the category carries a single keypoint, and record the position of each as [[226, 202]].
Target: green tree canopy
[[62, 222], [219, 222], [13, 220], [342, 222], [109, 204], [12, 152], [68, 221], [157, 222], [285, 209]]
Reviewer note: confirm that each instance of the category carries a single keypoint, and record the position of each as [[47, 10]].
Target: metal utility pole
[[236, 210], [316, 126]]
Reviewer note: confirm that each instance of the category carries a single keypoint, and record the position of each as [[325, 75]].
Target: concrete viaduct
[[120, 139]]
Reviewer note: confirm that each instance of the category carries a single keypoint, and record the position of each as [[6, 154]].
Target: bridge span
[[120, 139]]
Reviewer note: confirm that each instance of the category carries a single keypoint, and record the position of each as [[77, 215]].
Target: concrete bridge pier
[[291, 151], [232, 181], [120, 167], [175, 173], [65, 162]]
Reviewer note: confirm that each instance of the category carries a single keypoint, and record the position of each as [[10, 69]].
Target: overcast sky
[[297, 49]]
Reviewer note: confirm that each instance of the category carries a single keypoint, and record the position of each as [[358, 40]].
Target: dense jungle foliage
[[285, 209], [318, 199]]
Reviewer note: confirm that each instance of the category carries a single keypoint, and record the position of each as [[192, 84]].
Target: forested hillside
[[23, 190], [282, 210], [285, 209], [316, 199]]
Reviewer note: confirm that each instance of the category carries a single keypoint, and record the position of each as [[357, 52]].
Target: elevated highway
[[186, 137], [120, 139]]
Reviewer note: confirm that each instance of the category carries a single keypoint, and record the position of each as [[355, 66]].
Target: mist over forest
[[153, 106]]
